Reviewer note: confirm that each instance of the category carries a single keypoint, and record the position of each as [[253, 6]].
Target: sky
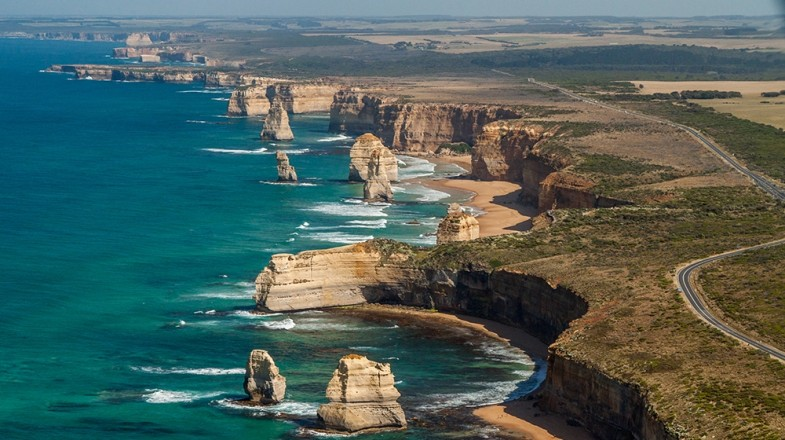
[[314, 8]]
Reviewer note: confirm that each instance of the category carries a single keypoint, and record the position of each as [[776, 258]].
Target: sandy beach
[[498, 200], [520, 419]]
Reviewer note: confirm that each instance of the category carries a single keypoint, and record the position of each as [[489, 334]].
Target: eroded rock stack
[[286, 172], [264, 384], [361, 153], [276, 124], [362, 396], [457, 226], [377, 186]]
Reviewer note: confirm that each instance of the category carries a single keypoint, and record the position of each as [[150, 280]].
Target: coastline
[[502, 213], [514, 419]]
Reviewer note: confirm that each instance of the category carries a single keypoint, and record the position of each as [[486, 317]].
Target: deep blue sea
[[134, 218]]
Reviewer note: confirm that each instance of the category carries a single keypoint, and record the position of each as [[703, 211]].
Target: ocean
[[134, 219]]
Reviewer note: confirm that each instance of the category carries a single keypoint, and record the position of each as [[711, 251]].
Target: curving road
[[684, 279]]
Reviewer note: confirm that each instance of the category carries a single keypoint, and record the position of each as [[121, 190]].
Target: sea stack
[[276, 124], [360, 156], [362, 396], [457, 226], [377, 186], [264, 384], [286, 172]]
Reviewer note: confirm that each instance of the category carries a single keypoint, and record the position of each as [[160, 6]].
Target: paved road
[[684, 279]]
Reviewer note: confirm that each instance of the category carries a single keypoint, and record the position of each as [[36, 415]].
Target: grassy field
[[750, 106], [749, 290]]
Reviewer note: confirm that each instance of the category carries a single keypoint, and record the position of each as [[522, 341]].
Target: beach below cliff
[[500, 212], [514, 419]]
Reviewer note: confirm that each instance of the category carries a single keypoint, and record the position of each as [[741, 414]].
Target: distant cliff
[[199, 75], [299, 97], [412, 127], [125, 37]]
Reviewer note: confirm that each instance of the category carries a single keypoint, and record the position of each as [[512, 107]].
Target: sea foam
[[234, 151], [191, 371], [167, 396]]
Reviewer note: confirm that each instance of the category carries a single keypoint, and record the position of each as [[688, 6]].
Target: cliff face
[[512, 151], [609, 407], [411, 127], [297, 98], [500, 150], [147, 74], [343, 276], [210, 78]]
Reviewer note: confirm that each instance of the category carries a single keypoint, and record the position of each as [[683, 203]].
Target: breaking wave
[[338, 138], [233, 151], [167, 396], [191, 371], [296, 409], [284, 324]]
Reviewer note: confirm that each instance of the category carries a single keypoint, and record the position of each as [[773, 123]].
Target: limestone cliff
[[286, 172], [331, 277], [377, 186], [457, 226], [276, 124], [360, 155], [145, 74], [249, 101], [264, 383], [297, 98], [500, 150], [513, 151], [137, 39], [608, 406], [411, 127], [362, 396]]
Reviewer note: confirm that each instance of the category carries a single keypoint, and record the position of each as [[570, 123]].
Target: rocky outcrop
[[565, 190], [297, 98], [412, 127], [276, 124], [342, 276], [360, 156], [362, 396], [264, 383], [286, 172], [513, 151], [377, 186], [137, 39], [500, 150], [457, 226], [249, 101]]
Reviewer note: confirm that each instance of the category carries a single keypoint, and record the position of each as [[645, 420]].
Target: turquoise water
[[134, 219]]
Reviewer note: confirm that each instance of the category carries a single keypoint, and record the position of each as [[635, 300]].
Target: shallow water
[[135, 218]]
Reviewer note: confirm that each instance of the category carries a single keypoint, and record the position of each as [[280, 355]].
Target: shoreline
[[515, 419], [502, 213]]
